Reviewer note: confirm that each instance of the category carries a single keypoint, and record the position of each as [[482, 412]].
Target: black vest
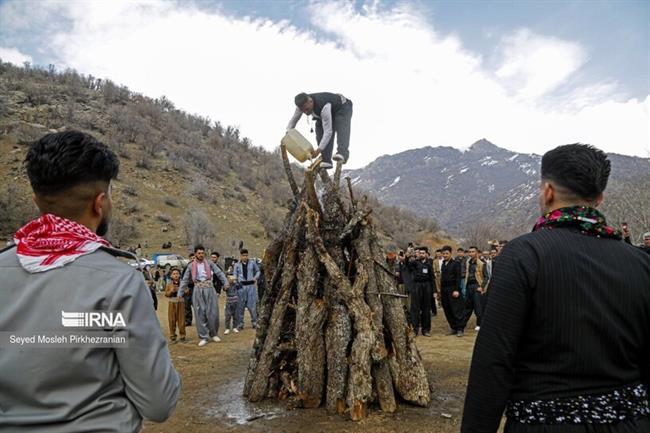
[[324, 98]]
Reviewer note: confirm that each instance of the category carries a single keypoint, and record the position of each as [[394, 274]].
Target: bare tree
[[480, 233], [198, 228]]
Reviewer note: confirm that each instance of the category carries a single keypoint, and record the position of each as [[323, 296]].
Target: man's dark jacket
[[568, 315]]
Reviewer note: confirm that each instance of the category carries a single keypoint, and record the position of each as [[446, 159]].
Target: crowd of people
[[194, 292], [456, 282], [563, 311]]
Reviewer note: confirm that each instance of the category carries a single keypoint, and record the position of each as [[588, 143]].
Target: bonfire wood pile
[[331, 327]]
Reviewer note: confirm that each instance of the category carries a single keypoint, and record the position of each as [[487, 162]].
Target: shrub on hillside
[[199, 229]]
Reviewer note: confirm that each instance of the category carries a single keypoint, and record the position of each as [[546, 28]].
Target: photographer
[[61, 264]]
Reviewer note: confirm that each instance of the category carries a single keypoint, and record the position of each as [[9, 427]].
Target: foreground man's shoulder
[[8, 256], [110, 260]]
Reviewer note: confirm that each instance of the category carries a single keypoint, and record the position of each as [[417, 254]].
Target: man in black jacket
[[421, 297], [451, 299], [405, 272], [564, 344], [333, 114]]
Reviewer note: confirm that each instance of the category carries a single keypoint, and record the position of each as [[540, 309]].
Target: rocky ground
[[213, 377]]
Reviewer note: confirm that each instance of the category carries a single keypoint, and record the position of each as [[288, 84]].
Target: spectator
[[564, 342], [176, 307], [204, 297], [61, 263], [246, 274]]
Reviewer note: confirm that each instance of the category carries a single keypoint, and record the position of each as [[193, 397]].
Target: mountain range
[[483, 184]]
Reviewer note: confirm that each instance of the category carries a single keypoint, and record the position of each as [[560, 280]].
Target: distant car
[[141, 263], [169, 261]]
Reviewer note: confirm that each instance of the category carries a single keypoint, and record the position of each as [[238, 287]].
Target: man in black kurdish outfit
[[476, 280], [564, 345], [452, 300], [421, 296]]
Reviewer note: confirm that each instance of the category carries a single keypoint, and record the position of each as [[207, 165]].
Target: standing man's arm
[[459, 277], [257, 272], [486, 276], [326, 119], [492, 372], [294, 119], [236, 272], [151, 383], [216, 270], [185, 280]]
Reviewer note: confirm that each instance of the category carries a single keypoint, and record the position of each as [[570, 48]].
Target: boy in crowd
[[176, 307], [231, 307]]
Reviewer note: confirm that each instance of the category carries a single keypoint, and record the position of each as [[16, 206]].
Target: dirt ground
[[213, 377]]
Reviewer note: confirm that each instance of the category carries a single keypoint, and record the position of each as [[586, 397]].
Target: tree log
[[310, 318], [259, 382]]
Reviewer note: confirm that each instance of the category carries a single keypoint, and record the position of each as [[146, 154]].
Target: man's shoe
[[460, 333], [326, 165], [226, 332], [183, 340], [216, 339], [427, 334], [339, 158], [203, 343], [452, 332], [478, 328], [236, 331]]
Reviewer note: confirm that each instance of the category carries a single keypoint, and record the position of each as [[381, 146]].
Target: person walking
[[452, 300]]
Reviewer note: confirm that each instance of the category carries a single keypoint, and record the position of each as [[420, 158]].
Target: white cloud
[[411, 85], [534, 65], [13, 55]]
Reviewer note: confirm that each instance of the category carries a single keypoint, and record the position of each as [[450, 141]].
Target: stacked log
[[332, 329]]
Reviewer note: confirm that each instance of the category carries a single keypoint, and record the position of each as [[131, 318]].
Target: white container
[[297, 145]]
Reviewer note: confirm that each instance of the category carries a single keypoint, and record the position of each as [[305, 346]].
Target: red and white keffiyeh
[[51, 242]]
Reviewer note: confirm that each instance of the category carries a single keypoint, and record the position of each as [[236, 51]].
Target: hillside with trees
[[184, 178]]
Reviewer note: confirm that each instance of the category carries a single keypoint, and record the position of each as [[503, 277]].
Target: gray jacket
[[81, 388]]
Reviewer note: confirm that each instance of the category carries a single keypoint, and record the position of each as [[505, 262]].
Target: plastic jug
[[297, 145]]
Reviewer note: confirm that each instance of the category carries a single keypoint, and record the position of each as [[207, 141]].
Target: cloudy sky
[[526, 75]]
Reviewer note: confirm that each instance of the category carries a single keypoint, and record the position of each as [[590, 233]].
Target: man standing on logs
[[204, 297], [247, 273], [452, 300], [422, 292], [333, 114]]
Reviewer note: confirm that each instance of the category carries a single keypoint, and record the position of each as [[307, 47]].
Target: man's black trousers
[[421, 306], [454, 308], [475, 304]]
